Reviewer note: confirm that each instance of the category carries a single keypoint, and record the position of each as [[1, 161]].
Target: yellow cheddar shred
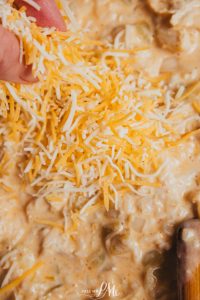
[[50, 223], [10, 286]]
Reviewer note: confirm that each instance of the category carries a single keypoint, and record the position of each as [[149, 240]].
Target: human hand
[[10, 67]]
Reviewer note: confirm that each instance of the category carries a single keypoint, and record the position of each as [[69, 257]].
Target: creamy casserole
[[100, 159]]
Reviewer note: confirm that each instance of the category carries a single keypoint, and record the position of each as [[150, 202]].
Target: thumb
[[10, 67]]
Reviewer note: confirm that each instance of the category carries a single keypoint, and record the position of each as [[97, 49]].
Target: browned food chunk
[[167, 37], [166, 6], [160, 6]]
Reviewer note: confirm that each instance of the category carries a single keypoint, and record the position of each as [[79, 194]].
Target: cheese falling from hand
[[93, 126]]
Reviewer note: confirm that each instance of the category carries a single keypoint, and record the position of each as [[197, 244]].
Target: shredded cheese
[[50, 223], [93, 125], [10, 286], [33, 4], [69, 121]]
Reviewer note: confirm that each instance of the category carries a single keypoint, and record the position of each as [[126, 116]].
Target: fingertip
[[27, 75], [48, 15], [61, 26]]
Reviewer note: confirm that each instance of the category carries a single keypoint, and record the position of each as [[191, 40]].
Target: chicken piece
[[166, 6], [167, 36], [160, 6]]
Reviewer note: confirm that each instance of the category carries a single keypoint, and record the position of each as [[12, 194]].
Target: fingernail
[[27, 75]]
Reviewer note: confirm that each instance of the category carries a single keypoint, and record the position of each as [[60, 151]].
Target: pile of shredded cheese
[[95, 130], [93, 126]]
